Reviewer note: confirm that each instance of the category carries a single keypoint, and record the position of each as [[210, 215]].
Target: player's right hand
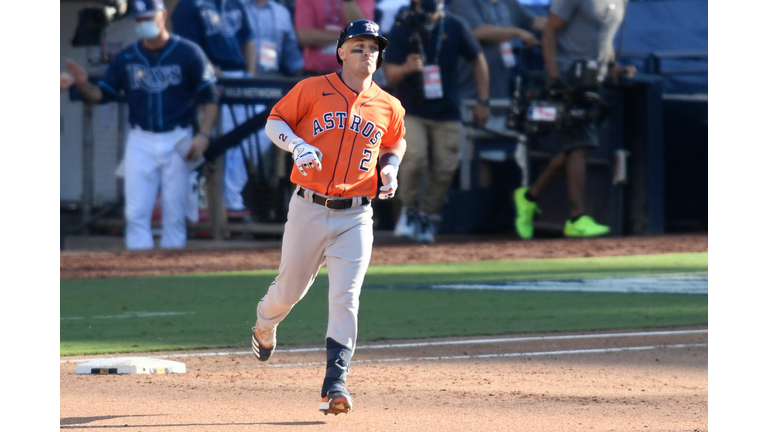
[[77, 72], [305, 156]]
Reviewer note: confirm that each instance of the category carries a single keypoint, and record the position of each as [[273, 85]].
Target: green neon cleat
[[584, 226], [525, 210]]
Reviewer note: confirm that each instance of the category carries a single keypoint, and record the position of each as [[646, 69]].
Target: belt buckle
[[326, 204]]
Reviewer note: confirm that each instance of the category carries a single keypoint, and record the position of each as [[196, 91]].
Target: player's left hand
[[389, 181], [198, 147]]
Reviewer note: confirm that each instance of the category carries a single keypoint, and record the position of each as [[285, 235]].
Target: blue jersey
[[220, 27], [161, 87]]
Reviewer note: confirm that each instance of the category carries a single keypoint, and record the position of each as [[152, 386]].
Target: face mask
[[147, 30]]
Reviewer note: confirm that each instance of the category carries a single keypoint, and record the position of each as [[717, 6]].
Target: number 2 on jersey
[[367, 155]]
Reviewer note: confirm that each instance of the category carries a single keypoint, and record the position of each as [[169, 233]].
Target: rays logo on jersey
[[154, 79], [227, 24]]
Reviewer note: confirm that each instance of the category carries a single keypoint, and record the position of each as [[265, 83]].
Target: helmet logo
[[371, 27]]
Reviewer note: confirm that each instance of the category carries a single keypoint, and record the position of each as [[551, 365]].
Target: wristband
[[204, 134], [485, 102], [390, 159]]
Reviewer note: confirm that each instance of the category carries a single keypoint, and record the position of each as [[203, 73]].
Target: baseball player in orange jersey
[[338, 127]]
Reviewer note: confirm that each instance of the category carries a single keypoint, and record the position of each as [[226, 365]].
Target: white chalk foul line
[[503, 355], [442, 343]]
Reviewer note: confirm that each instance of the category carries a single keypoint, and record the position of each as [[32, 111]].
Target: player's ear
[[342, 54]]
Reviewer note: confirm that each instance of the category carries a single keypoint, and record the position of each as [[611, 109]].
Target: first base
[[130, 365]]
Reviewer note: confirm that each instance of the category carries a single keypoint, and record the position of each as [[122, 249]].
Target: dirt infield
[[630, 381], [502, 386], [385, 251]]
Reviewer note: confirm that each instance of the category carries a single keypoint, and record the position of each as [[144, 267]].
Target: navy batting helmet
[[363, 27]]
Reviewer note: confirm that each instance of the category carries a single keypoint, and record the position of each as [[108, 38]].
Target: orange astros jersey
[[347, 128]]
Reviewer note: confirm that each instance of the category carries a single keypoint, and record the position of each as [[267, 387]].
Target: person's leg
[[174, 192], [235, 169], [348, 256], [304, 243], [554, 172], [142, 180], [580, 224], [576, 175], [411, 175], [446, 143]]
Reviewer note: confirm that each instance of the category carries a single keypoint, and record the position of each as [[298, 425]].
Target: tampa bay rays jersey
[[220, 27], [347, 127], [161, 87]]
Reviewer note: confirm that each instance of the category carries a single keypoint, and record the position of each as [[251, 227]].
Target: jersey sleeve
[[468, 10], [247, 28], [469, 47], [186, 22], [111, 84], [305, 15], [202, 76], [521, 16], [396, 130], [294, 106], [396, 53], [564, 9]]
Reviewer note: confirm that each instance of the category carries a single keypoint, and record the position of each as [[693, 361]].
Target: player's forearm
[[482, 79], [280, 133], [210, 114], [91, 93], [316, 38], [549, 52], [396, 73], [488, 33], [398, 150], [352, 11], [249, 53]]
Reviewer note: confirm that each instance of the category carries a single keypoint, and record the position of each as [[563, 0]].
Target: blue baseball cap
[[146, 8]]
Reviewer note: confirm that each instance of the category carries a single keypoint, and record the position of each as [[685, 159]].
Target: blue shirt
[[161, 87], [456, 42], [272, 23], [220, 27]]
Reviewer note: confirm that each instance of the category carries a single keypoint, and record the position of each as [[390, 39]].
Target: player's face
[[360, 54]]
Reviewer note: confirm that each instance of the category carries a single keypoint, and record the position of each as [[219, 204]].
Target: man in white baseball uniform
[[163, 78]]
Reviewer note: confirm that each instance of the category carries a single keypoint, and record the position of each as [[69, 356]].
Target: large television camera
[[541, 109], [94, 19], [415, 18]]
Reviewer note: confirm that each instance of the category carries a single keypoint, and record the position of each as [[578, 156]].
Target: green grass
[[217, 310]]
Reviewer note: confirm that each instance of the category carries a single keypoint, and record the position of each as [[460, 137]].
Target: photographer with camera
[[576, 30], [421, 66], [495, 24]]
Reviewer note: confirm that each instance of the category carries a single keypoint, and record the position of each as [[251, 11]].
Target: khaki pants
[[434, 172]]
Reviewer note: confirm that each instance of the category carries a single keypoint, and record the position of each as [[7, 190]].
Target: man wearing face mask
[[225, 32], [163, 78], [425, 80]]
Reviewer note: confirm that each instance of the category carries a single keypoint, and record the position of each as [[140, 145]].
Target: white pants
[[314, 235], [151, 164], [235, 168]]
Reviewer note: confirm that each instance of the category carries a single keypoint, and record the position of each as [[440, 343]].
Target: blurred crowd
[[440, 53]]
